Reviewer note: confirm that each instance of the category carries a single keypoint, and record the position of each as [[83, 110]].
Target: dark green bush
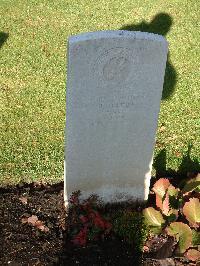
[[130, 226]]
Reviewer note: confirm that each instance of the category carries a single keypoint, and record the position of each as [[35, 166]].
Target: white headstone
[[114, 88]]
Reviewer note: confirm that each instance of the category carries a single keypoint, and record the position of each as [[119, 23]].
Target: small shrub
[[85, 223], [131, 227]]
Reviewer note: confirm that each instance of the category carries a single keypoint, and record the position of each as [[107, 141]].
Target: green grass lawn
[[33, 73]]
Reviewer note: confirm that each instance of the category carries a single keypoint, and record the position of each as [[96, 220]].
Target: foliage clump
[[86, 223], [130, 226], [177, 214]]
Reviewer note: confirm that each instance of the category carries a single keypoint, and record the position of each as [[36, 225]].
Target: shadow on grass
[[160, 24], [3, 38], [187, 165]]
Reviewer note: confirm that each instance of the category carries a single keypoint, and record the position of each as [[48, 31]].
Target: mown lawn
[[33, 73]]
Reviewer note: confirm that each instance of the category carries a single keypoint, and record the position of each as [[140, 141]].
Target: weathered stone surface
[[114, 87]]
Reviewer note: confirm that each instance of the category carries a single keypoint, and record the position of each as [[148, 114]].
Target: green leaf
[[192, 184], [172, 215], [172, 191], [153, 217], [155, 230], [191, 210], [182, 233], [195, 238]]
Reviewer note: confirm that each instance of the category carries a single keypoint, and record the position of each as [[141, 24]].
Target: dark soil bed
[[23, 243]]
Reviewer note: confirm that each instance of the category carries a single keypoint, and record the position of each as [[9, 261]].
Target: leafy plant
[[85, 222], [192, 185], [195, 238], [191, 210], [182, 233], [154, 219], [177, 213], [130, 226]]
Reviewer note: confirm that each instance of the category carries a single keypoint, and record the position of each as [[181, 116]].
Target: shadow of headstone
[[3, 38], [160, 24], [187, 166], [160, 164]]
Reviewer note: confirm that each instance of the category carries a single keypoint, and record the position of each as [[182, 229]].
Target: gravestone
[[114, 88]]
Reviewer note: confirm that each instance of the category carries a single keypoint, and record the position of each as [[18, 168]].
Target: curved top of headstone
[[117, 34]]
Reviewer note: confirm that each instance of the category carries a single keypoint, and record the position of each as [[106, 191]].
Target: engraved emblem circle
[[114, 65]]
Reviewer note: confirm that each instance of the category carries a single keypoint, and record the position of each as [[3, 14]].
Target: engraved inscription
[[113, 66], [111, 107], [116, 102], [116, 106], [116, 67]]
